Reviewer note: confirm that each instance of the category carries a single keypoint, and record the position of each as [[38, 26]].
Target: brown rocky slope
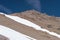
[[43, 20], [49, 22]]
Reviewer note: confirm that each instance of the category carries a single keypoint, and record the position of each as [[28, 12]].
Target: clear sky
[[51, 7]]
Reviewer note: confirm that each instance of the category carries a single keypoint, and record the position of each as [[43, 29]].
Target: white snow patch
[[24, 21], [13, 35]]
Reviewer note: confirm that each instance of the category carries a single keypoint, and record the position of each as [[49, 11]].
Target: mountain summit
[[44, 20], [32, 18]]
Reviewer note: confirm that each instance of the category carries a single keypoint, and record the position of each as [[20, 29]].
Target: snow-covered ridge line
[[30, 24], [13, 35]]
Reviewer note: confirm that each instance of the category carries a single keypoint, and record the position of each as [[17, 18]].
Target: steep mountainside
[[49, 22], [45, 21]]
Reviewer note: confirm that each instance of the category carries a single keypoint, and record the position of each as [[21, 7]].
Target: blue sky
[[50, 7]]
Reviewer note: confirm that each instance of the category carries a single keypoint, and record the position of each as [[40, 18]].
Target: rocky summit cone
[[50, 23], [42, 19]]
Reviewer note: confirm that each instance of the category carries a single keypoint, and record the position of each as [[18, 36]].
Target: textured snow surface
[[13, 35]]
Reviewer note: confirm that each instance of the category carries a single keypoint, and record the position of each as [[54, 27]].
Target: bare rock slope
[[49, 22], [45, 21]]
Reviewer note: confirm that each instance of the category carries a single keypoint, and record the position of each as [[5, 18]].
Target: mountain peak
[[43, 20], [29, 12]]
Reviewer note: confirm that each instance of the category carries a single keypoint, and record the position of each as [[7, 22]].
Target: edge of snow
[[12, 34]]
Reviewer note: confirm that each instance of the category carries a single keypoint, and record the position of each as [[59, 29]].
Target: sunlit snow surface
[[13, 35], [30, 24]]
